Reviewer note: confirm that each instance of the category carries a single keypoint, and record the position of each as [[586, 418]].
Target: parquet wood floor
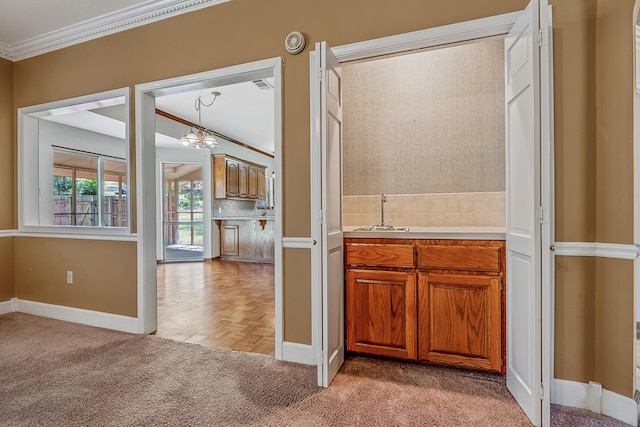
[[220, 304]]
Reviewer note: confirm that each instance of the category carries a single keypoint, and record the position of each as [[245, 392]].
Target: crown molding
[[111, 23]]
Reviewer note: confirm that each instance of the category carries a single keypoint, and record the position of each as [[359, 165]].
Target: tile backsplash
[[486, 209], [225, 208]]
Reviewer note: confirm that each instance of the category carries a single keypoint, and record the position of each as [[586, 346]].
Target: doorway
[[182, 212], [536, 370], [147, 200]]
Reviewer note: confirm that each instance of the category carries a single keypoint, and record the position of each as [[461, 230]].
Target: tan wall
[[574, 321], [104, 273], [6, 145], [7, 282], [297, 296], [593, 143]]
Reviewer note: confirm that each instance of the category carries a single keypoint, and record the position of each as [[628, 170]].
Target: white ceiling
[[243, 111]]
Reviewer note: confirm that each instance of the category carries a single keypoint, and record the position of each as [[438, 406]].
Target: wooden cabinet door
[[253, 182], [261, 192], [243, 180], [232, 178], [229, 240], [460, 320], [381, 313]]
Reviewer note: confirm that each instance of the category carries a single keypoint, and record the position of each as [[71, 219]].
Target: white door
[[522, 105], [328, 121]]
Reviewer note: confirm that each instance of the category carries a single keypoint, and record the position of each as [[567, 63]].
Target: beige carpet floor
[[55, 373]]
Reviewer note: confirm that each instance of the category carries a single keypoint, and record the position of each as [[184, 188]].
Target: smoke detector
[[294, 42]]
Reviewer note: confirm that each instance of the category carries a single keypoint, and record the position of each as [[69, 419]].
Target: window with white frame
[[74, 162]]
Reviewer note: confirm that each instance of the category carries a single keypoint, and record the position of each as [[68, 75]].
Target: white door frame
[[448, 34], [145, 105]]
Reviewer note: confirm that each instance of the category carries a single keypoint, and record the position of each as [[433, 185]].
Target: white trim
[[547, 199], [299, 353], [604, 250], [8, 306], [446, 34], [78, 315], [298, 242], [145, 177], [620, 407], [594, 398], [109, 237], [8, 233], [110, 23]]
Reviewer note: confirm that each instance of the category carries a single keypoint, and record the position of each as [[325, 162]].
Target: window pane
[[114, 200], [184, 196], [62, 196]]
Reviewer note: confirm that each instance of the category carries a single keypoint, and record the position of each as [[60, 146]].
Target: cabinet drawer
[[380, 255], [479, 258]]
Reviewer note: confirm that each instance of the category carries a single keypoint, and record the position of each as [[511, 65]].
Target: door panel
[[329, 92], [522, 110]]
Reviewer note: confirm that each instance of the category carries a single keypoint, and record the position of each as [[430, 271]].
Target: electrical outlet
[[220, 209], [69, 277]]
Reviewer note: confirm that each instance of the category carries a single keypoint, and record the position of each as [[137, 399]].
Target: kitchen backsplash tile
[[428, 210], [225, 208]]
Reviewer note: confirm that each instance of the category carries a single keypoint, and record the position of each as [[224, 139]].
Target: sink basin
[[382, 228]]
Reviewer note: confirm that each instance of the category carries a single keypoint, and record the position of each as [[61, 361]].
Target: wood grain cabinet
[[237, 179], [381, 300], [437, 301]]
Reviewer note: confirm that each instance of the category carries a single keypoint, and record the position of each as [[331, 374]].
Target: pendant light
[[202, 138]]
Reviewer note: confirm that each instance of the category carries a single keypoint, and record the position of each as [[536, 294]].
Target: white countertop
[[238, 218], [460, 233]]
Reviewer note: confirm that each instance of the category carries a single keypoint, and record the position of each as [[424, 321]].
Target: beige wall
[[6, 145], [593, 142], [425, 122], [7, 287], [104, 273]]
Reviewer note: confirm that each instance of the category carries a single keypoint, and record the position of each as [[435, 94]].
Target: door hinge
[[541, 391], [539, 37], [501, 286], [541, 216], [322, 74], [501, 362], [322, 357], [321, 217]]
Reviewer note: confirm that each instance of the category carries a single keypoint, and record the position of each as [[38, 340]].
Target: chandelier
[[203, 138]]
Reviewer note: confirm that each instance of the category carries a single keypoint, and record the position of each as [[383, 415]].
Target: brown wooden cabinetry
[[437, 301], [381, 303], [237, 179]]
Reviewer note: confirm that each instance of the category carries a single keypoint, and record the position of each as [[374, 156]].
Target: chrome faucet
[[383, 200]]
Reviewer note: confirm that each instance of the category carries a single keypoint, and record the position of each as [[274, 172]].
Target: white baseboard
[[8, 306], [299, 353], [77, 315], [594, 398]]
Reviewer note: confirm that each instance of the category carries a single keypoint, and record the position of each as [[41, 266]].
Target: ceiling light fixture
[[203, 138]]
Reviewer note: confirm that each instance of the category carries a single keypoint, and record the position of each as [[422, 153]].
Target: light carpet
[[55, 373]]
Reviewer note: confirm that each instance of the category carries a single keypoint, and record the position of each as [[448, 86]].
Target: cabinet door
[[243, 180], [229, 239], [253, 182], [261, 185], [232, 178], [460, 320], [381, 313]]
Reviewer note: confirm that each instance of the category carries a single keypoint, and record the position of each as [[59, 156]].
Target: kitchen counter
[[238, 218], [460, 233]]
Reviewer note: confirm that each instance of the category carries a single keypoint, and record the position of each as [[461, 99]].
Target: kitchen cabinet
[[435, 301], [229, 240], [237, 179], [381, 300], [261, 187]]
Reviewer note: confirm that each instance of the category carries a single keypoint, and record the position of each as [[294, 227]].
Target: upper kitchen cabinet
[[237, 179]]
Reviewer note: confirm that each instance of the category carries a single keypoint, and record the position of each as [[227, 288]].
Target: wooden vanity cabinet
[[437, 301], [460, 303], [381, 300]]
